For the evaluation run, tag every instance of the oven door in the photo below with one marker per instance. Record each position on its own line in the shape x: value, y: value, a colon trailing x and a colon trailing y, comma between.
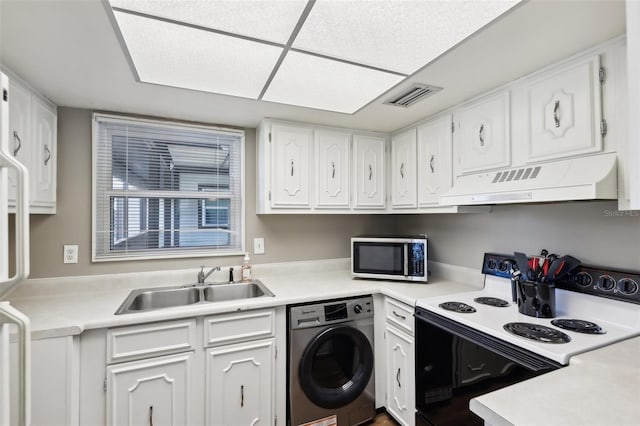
x: 455, y: 363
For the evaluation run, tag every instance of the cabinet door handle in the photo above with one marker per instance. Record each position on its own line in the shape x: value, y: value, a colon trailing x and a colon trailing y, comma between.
x: 48, y: 154
x: 478, y: 368
x: 333, y: 170
x: 431, y: 164
x: 242, y: 395
x: 151, y: 415
x: 370, y: 172
x: 398, y: 378
x: 292, y: 164
x: 18, y: 143
x: 398, y: 315
x: 556, y: 117
x: 402, y: 170
x: 481, y: 135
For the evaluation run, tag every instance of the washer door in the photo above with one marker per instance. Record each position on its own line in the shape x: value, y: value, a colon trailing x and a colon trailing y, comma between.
x: 336, y: 366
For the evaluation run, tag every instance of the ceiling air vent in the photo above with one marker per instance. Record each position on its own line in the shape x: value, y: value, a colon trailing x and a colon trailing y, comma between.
x: 415, y: 93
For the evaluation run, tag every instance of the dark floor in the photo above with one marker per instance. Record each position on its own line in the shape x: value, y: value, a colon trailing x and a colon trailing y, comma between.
x: 383, y: 419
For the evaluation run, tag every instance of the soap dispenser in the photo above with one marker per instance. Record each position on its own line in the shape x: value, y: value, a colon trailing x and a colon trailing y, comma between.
x: 246, y: 268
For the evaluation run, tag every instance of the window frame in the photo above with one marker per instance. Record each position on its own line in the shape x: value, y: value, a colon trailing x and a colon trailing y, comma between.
x: 175, y: 253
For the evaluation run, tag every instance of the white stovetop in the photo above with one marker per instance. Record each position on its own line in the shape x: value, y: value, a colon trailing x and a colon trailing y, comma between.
x: 620, y: 320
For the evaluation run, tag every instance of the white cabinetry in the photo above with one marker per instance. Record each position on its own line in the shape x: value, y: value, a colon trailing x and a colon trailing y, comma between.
x: 153, y: 391
x: 239, y: 384
x: 332, y: 165
x: 291, y: 162
x: 369, y: 171
x: 564, y: 111
x: 404, y: 192
x: 400, y: 377
x: 633, y: 71
x: 434, y: 160
x: 482, y: 136
x: 33, y: 132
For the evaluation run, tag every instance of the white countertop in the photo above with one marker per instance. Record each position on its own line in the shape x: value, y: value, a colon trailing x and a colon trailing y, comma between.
x: 598, y: 388
x: 68, y: 306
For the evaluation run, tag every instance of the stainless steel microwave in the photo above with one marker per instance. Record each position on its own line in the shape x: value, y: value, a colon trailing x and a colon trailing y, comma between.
x: 402, y: 257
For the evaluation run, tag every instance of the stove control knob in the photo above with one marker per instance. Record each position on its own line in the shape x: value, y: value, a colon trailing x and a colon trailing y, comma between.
x: 627, y: 286
x: 504, y: 266
x: 606, y: 283
x: 491, y: 264
x: 357, y: 309
x: 583, y: 279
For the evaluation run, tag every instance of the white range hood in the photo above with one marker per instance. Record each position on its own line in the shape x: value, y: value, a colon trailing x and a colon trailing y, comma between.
x: 582, y: 178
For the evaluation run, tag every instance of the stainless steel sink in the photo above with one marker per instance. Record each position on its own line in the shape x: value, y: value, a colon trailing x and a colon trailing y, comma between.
x: 148, y: 299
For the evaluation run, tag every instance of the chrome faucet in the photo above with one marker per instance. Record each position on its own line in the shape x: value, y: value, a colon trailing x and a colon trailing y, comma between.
x: 202, y: 276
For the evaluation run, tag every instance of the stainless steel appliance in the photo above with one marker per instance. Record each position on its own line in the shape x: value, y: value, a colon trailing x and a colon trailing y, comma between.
x: 468, y: 344
x: 330, y: 362
x: 401, y: 257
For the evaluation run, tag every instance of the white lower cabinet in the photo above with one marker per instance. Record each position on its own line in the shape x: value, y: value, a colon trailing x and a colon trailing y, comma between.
x: 153, y: 391
x: 400, y: 357
x: 239, y: 384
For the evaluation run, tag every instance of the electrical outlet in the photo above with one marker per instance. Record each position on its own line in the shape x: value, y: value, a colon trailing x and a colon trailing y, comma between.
x: 70, y: 254
x: 258, y: 246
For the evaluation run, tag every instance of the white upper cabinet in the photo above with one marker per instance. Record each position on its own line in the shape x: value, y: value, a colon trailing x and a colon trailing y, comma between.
x: 564, y: 111
x: 482, y: 135
x: 404, y: 192
x: 291, y: 166
x: 369, y: 171
x: 33, y: 129
x: 332, y: 166
x: 434, y: 160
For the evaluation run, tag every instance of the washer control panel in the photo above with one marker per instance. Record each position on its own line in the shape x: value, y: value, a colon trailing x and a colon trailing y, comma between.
x: 330, y: 312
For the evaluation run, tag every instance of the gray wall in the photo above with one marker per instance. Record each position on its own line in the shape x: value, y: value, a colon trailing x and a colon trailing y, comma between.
x: 594, y: 232
x: 287, y: 238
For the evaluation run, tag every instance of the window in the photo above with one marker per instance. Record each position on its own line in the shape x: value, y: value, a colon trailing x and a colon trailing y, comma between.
x: 166, y: 190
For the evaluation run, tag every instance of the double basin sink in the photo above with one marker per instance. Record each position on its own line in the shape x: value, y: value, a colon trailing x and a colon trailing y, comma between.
x: 148, y: 299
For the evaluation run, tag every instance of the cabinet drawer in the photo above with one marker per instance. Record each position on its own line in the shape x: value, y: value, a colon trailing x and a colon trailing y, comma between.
x: 147, y: 340
x: 237, y: 327
x: 400, y: 315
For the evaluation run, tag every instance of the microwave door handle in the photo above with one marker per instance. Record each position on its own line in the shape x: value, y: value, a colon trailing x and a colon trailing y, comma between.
x: 406, y: 260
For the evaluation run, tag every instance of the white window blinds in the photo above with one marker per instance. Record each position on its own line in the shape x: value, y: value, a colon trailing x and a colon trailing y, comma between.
x: 164, y: 190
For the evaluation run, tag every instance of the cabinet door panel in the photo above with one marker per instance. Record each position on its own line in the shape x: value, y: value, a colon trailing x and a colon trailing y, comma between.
x: 483, y: 136
x: 291, y: 166
x: 564, y: 112
x: 403, y: 170
x: 332, y: 169
x: 43, y: 180
x: 434, y: 160
x: 400, y: 376
x: 239, y: 384
x: 19, y: 131
x: 152, y: 391
x: 368, y: 153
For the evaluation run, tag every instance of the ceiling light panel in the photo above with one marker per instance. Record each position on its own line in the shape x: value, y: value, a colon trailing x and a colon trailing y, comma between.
x: 398, y: 35
x: 175, y: 55
x: 271, y: 20
x: 314, y: 82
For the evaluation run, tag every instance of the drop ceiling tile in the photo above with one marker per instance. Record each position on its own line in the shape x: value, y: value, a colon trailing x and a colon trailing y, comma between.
x: 314, y: 82
x: 395, y: 35
x: 272, y: 20
x: 175, y: 55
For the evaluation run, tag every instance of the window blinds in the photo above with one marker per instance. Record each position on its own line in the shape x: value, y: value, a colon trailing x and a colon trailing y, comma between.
x: 166, y: 190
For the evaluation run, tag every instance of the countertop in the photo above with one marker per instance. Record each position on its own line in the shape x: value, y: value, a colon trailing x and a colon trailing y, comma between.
x: 68, y: 306
x: 598, y: 388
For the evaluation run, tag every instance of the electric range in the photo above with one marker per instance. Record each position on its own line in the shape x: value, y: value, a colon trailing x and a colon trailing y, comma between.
x: 466, y: 343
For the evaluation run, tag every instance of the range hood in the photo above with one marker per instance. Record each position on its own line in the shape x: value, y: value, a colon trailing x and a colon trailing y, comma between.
x: 583, y: 178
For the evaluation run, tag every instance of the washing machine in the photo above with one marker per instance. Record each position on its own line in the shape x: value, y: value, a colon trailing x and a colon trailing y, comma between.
x: 330, y: 362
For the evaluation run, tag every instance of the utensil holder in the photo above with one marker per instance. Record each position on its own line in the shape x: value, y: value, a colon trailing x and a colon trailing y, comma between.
x: 537, y: 299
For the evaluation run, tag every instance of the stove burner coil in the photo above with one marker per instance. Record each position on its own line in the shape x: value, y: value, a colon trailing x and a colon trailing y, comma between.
x: 460, y: 307
x: 537, y: 332
x: 491, y: 301
x: 579, y: 326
